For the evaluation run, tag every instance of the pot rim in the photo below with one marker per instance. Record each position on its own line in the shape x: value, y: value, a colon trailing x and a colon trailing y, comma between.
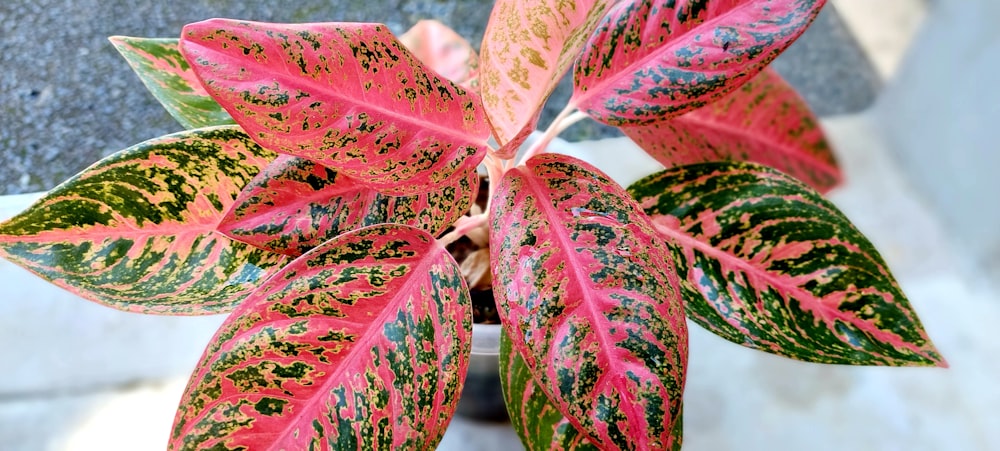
x: 486, y: 339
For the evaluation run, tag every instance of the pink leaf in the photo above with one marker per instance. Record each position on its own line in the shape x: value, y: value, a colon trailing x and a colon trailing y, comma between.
x: 588, y: 297
x: 362, y: 343
x: 347, y: 96
x: 764, y: 121
x: 651, y: 60
x: 444, y: 51
x: 527, y: 48
x: 295, y: 204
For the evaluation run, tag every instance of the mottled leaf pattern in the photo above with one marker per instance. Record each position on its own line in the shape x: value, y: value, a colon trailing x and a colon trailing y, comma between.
x: 764, y: 121
x: 537, y: 422
x: 587, y: 295
x: 362, y: 343
x: 650, y: 60
x: 136, y: 231
x: 772, y: 265
x: 347, y: 96
x: 166, y: 74
x: 295, y: 204
x: 527, y: 48
x: 444, y: 51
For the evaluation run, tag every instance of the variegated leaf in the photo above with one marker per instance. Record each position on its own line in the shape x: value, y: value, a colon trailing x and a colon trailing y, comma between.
x: 166, y: 74
x: 537, y: 422
x: 295, y: 204
x: 764, y: 121
x: 444, y: 51
x: 136, y: 231
x: 527, y: 48
x: 650, y: 60
x: 348, y: 96
x: 588, y: 297
x: 361, y: 343
x: 773, y: 266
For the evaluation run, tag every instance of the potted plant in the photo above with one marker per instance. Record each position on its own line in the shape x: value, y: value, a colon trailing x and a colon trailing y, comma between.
x: 326, y: 171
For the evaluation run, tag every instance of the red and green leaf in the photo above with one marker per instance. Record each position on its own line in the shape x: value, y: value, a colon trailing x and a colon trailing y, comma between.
x: 136, y: 231
x: 764, y: 121
x: 294, y: 205
x: 588, y: 297
x: 537, y: 422
x: 527, y: 48
x: 769, y: 264
x: 444, y: 51
x: 362, y: 343
x: 167, y: 75
x: 347, y: 96
x: 652, y: 60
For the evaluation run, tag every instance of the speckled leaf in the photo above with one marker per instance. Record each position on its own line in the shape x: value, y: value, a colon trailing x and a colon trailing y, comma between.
x: 588, y: 297
x: 537, y: 422
x: 527, y: 48
x: 444, y: 51
x: 166, y: 74
x: 136, y: 231
x: 348, y: 96
x: 295, y: 204
x: 361, y: 343
x: 764, y: 121
x: 772, y: 265
x: 650, y: 60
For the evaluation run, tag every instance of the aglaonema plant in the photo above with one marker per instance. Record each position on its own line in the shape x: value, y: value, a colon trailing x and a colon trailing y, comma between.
x: 326, y: 169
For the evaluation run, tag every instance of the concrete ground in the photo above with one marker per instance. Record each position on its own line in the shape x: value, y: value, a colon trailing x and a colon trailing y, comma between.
x: 735, y: 399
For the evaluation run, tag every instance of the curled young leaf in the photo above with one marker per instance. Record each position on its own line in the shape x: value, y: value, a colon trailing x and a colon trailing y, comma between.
x: 295, y: 204
x: 361, y: 343
x: 769, y: 264
x: 345, y: 95
x: 166, y: 74
x: 650, y: 60
x: 136, y: 231
x: 588, y: 297
x: 527, y: 48
x: 764, y: 121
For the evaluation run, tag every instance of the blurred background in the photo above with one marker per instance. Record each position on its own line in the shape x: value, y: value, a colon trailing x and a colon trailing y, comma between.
x: 908, y: 93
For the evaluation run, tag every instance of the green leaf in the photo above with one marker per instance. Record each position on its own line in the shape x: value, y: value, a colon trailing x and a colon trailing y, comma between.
x: 295, y: 204
x: 769, y: 264
x: 136, y: 231
x: 362, y: 343
x: 166, y: 74
x: 587, y: 296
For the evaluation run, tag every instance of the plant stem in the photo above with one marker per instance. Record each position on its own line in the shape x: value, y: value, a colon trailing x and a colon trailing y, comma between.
x: 568, y: 116
x: 463, y: 226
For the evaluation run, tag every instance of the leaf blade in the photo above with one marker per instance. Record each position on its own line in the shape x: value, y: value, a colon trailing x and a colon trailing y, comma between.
x: 584, y: 297
x: 397, y: 127
x: 776, y: 267
x: 650, y: 60
x: 764, y: 121
x: 294, y: 205
x: 164, y: 71
x: 444, y: 51
x: 136, y: 231
x: 527, y: 48
x: 362, y: 343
